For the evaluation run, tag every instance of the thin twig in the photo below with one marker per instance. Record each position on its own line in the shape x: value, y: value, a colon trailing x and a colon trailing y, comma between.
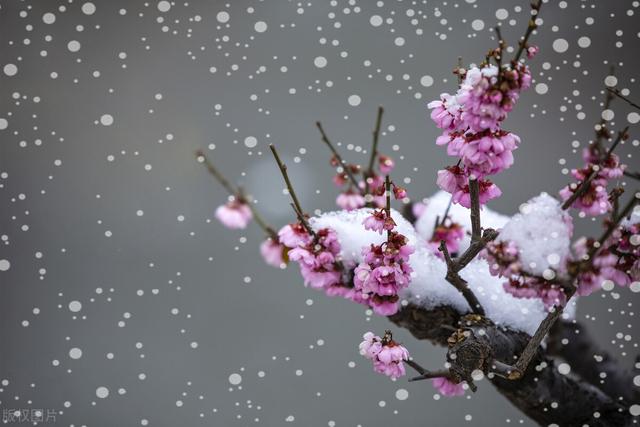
x: 585, y: 184
x: 345, y: 167
x: 296, y: 203
x: 237, y: 193
x: 633, y: 175
x: 617, y: 93
x: 374, y: 145
x: 474, y: 194
x: 217, y: 175
x: 535, y: 9
x: 303, y: 220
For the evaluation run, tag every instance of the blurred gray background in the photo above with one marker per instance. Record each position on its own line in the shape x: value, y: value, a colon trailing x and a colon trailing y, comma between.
x: 116, y: 276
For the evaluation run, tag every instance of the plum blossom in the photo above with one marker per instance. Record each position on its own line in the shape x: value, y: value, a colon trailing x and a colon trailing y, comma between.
x: 318, y: 260
x: 379, y: 221
x: 504, y: 261
x: 294, y: 235
x: 471, y: 120
x: 235, y: 214
x: 449, y: 231
x: 350, y: 200
x: 273, y: 252
x: 600, y: 168
x: 383, y: 273
x: 385, y: 164
x: 386, y: 354
x: 447, y: 387
x: 487, y: 191
x: 532, y: 51
x: 594, y: 201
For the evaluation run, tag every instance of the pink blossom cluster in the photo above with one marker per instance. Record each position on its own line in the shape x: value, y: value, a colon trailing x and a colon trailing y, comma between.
x: 235, y: 214
x: 446, y: 387
x: 353, y: 198
x: 386, y: 354
x: 471, y: 120
x: 595, y: 200
x: 451, y: 233
x: 385, y: 269
x: 318, y: 258
x: 504, y: 261
x: 618, y: 261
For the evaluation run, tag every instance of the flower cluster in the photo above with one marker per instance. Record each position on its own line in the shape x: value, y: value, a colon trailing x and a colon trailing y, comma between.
x: 386, y: 354
x: 594, y: 200
x: 618, y: 261
x: 385, y: 269
x: 504, y: 261
x: 471, y: 120
x: 353, y: 198
x: 447, y: 387
x: 234, y: 214
x: 318, y: 258
x: 273, y: 252
x: 448, y: 231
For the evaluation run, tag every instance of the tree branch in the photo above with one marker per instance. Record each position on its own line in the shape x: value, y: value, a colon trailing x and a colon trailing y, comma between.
x: 333, y: 149
x: 617, y: 93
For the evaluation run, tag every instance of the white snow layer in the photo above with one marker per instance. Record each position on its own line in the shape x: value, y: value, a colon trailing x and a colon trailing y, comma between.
x: 437, y: 204
x: 428, y: 287
x: 542, y: 231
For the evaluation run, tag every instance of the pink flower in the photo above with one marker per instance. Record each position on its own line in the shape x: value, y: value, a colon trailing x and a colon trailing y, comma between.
x: 378, y: 221
x: 451, y: 179
x: 488, y: 191
x: 385, y: 164
x: 234, y: 214
x: 418, y: 209
x: 317, y: 260
x: 371, y: 345
x: 451, y: 232
x: 350, y: 200
x: 488, y: 153
x: 532, y: 51
x: 386, y: 354
x: 272, y: 252
x: 294, y: 235
x: 594, y: 201
x: 446, y: 387
x: 399, y: 193
x: 445, y: 112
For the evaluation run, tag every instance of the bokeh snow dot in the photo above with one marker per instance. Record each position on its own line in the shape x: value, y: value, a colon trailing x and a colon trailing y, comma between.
x: 4, y: 264
x: 375, y: 20
x: 49, y: 18
x: 222, y: 17
x: 75, y: 306
x: 402, y: 394
x: 164, y: 6
x: 235, y: 379
x: 88, y: 8
x: 10, y: 69
x: 75, y: 353
x: 106, y: 120
x: 584, y: 42
x: 542, y: 88
x: 260, y: 26
x: 73, y: 46
x: 560, y: 45
x: 102, y: 392
x: 320, y: 61
x: 426, y: 81
x: 354, y: 100
x: 477, y: 24
x: 250, y: 141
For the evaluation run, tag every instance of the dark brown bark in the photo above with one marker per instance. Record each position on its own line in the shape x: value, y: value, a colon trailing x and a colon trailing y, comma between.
x: 570, y: 341
x: 543, y: 394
